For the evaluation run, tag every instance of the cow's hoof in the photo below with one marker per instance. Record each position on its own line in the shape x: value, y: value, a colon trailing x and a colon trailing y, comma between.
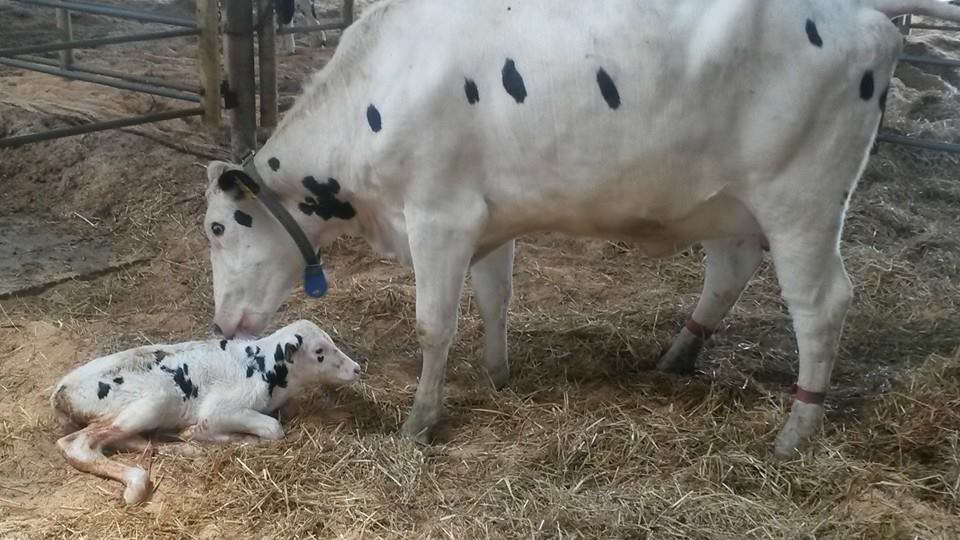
x: 681, y: 359
x: 795, y: 436
x: 499, y: 376
x: 419, y: 427
x: 137, y: 481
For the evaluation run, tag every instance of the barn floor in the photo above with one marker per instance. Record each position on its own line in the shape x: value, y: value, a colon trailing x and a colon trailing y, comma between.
x: 588, y: 442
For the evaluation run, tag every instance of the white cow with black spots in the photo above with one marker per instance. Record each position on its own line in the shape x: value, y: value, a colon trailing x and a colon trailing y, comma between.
x: 739, y: 124
x: 212, y: 390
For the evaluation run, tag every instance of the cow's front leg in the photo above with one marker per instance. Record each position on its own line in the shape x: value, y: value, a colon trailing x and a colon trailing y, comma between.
x: 492, y: 279
x: 730, y: 265
x: 441, y: 254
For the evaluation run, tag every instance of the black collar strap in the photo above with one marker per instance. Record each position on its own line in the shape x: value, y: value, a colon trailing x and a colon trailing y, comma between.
x: 314, y: 280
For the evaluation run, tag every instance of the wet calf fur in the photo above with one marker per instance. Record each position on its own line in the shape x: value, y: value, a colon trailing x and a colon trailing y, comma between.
x: 214, y: 390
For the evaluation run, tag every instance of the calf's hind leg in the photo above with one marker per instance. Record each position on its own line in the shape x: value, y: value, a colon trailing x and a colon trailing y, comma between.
x: 84, y: 450
x: 730, y: 265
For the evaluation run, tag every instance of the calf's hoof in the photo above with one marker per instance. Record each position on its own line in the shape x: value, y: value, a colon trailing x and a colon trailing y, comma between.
x: 795, y: 436
x: 681, y: 359
x: 137, y: 483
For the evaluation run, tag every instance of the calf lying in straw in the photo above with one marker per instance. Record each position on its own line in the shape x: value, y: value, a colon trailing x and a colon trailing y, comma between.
x: 205, y: 390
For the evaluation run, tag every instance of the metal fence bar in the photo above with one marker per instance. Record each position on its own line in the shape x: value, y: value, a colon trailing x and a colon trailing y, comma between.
x: 113, y: 11
x: 153, y: 81
x: 919, y: 143
x: 934, y: 27
x: 324, y: 26
x: 65, y: 25
x: 929, y: 60
x: 18, y: 140
x: 97, y: 79
x: 89, y: 43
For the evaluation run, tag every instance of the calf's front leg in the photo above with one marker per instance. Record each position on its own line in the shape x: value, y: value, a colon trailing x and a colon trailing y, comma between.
x: 236, y: 425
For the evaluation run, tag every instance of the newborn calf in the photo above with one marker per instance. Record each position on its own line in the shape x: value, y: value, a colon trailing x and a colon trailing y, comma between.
x: 205, y: 390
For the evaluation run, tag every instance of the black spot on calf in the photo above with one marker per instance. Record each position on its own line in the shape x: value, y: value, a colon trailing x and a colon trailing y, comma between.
x: 276, y: 377
x: 229, y: 182
x: 278, y: 355
x: 473, y: 94
x: 223, y: 344
x: 866, y: 86
x: 324, y: 202
x: 813, y: 35
x: 274, y: 164
x: 243, y: 218
x: 373, y: 118
x: 608, y: 89
x: 158, y: 356
x: 513, y: 81
x: 118, y: 380
x: 102, y: 390
x: 180, y: 377
x: 299, y: 339
x: 257, y: 358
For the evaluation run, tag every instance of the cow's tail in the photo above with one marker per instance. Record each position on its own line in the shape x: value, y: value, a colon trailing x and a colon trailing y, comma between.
x: 930, y: 8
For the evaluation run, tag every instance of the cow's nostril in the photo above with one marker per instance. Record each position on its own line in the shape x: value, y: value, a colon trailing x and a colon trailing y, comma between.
x: 356, y: 370
x: 217, y: 330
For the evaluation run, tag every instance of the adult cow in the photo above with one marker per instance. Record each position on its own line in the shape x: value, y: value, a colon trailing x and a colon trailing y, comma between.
x: 732, y: 123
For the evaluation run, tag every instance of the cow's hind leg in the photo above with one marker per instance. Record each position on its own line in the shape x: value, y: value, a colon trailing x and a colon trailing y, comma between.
x: 441, y: 248
x: 818, y: 293
x: 730, y: 265
x: 492, y: 279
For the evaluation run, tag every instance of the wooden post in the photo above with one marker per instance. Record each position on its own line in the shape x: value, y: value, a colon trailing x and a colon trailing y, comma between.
x: 208, y: 60
x: 267, y: 42
x: 238, y: 48
x: 65, y: 26
x: 347, y: 13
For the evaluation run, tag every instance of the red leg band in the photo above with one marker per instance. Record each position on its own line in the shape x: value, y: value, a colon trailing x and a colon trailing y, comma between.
x: 698, y: 329
x: 806, y: 396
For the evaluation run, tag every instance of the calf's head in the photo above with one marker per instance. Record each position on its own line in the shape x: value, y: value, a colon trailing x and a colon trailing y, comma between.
x: 312, y: 355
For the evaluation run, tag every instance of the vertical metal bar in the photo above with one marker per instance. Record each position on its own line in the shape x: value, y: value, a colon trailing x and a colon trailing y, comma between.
x: 208, y: 61
x: 267, y: 38
x: 65, y: 25
x: 347, y: 13
x: 904, y: 22
x: 241, y: 82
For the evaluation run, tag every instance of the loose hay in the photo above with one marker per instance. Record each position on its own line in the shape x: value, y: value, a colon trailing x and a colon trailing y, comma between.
x: 588, y: 442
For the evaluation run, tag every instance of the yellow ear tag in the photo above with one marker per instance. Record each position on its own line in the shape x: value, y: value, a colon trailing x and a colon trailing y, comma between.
x: 247, y: 194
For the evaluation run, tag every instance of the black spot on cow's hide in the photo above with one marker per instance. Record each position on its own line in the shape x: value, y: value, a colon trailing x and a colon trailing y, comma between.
x: 223, y: 344
x: 608, y: 89
x: 278, y: 355
x: 513, y: 81
x: 181, y: 378
x: 373, y: 118
x: 102, y: 390
x: 276, y: 377
x: 158, y: 356
x: 324, y: 202
x: 243, y: 218
x: 473, y: 93
x: 813, y: 34
x: 118, y: 380
x: 274, y: 164
x: 866, y: 86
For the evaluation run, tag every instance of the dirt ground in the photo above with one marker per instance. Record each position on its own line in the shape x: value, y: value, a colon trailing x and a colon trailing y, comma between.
x: 588, y: 442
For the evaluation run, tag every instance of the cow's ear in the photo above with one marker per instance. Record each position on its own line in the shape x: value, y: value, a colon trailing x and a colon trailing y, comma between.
x: 215, y: 169
x: 237, y: 183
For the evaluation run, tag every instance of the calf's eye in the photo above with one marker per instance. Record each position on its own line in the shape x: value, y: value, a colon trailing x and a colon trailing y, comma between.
x: 216, y: 229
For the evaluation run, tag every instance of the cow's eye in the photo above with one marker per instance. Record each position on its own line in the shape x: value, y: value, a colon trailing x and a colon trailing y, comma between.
x: 216, y: 229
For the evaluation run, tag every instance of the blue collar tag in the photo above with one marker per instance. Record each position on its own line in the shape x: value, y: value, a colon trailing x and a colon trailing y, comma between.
x: 314, y: 281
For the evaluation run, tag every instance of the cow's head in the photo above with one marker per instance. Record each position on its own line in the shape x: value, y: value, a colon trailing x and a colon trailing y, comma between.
x: 255, y: 264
